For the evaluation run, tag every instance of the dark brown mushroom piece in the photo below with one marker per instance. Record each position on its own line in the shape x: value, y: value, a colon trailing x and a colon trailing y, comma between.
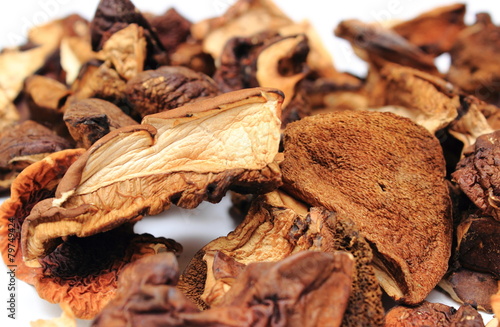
x: 182, y: 156
x: 470, y: 287
x: 81, y: 272
x: 434, y: 31
x: 276, y: 227
x: 23, y: 144
x: 261, y: 295
x: 111, y: 16
x: 88, y: 120
x: 168, y: 87
x: 478, y: 174
x: 191, y: 55
x: 378, y: 45
x: 474, y: 60
x: 387, y: 174
x: 433, y: 314
x: 172, y: 29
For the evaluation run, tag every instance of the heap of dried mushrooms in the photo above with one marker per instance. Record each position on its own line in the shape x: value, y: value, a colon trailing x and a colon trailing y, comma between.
x: 357, y: 195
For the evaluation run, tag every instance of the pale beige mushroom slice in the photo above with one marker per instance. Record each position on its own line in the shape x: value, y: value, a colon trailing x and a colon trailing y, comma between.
x: 244, y: 18
x: 183, y: 156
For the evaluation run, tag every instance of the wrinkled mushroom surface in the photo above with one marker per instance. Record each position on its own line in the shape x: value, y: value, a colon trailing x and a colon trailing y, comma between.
x: 183, y: 156
x: 387, y: 174
x: 306, y: 289
x: 478, y: 174
x: 88, y: 120
x: 168, y: 87
x: 276, y: 227
x: 433, y: 314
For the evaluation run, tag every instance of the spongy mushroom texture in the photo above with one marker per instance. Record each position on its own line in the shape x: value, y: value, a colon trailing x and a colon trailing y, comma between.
x: 387, y: 174
x: 183, y: 156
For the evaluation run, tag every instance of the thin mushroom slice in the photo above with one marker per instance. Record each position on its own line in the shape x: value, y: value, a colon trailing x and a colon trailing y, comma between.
x: 183, y: 156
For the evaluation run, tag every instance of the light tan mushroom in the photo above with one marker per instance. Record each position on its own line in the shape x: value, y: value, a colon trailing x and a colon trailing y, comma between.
x: 183, y: 156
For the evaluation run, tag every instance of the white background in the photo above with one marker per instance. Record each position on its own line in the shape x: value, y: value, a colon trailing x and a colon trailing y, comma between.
x: 194, y: 228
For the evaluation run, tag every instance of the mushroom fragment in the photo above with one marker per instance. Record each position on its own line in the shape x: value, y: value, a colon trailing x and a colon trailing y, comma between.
x: 478, y: 174
x: 433, y: 314
x: 474, y: 60
x: 387, y: 174
x: 183, y: 156
x: 24, y: 144
x: 168, y: 87
x: 306, y: 289
x: 276, y: 227
x: 434, y: 31
x: 88, y: 120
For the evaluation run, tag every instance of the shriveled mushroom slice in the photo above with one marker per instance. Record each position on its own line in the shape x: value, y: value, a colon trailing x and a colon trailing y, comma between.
x: 387, y: 174
x: 172, y: 29
x: 376, y: 44
x: 276, y: 227
x: 168, y: 87
x: 479, y: 244
x: 35, y: 183
x: 433, y: 314
x: 88, y: 120
x: 435, y: 31
x: 427, y: 100
x: 74, y: 53
x: 111, y: 16
x: 474, y: 60
x: 306, y: 289
x: 183, y: 156
x: 23, y: 144
x: 478, y: 174
x: 126, y: 51
x: 244, y: 18
x: 472, y: 287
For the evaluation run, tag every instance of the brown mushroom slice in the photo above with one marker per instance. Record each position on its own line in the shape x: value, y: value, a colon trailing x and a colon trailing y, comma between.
x: 427, y: 100
x: 276, y: 227
x: 74, y: 52
x: 168, y: 87
x: 434, y: 31
x: 111, y: 16
x: 243, y: 19
x: 478, y: 246
x: 261, y: 296
x: 376, y: 44
x: 433, y: 314
x: 478, y: 174
x: 88, y: 120
x: 37, y: 182
x: 83, y: 272
x: 387, y: 174
x: 183, y: 156
x: 472, y: 287
x: 172, y: 29
x: 24, y: 144
x: 9, y: 114
x: 474, y: 61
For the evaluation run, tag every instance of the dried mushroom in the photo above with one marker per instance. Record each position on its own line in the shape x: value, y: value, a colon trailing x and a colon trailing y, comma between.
x: 112, y: 16
x: 474, y: 60
x: 81, y: 273
x: 24, y: 144
x: 168, y: 87
x: 183, y: 156
x: 275, y: 228
x: 433, y: 314
x: 378, y: 45
x: 172, y: 29
x: 471, y: 287
x: 427, y: 100
x: 478, y: 174
x: 260, y: 296
x: 9, y: 114
x: 88, y: 120
x: 434, y: 31
x: 244, y: 18
x: 387, y: 174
